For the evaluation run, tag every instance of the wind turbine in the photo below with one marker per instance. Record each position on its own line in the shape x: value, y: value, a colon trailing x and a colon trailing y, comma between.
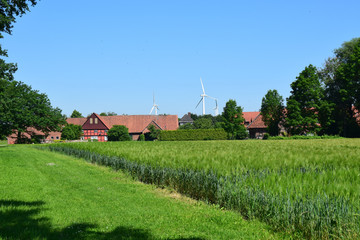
x: 155, y: 106
x: 203, y: 96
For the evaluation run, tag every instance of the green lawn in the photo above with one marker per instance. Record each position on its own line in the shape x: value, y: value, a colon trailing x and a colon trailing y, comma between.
x: 45, y: 195
x: 3, y: 142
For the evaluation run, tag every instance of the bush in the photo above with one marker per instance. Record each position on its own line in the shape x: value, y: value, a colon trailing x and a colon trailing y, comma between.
x: 193, y: 134
x: 118, y: 133
x: 266, y: 136
x: 142, y: 137
x: 71, y: 132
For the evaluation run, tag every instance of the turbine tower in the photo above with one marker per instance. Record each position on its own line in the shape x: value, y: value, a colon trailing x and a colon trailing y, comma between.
x: 203, y: 96
x: 155, y: 106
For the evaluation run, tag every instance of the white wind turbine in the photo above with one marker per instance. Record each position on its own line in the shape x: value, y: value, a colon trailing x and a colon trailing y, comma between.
x: 203, y: 96
x: 155, y: 106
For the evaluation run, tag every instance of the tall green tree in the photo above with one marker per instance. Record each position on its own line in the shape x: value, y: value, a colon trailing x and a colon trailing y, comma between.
x: 341, y: 77
x: 76, y: 114
x: 233, y: 121
x: 304, y: 103
x: 22, y: 107
x: 272, y: 111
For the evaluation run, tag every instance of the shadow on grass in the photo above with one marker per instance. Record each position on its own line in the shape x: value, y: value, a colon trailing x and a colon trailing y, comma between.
x: 18, y: 220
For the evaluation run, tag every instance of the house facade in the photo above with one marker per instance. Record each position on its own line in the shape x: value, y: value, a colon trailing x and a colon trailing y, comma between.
x: 254, y: 124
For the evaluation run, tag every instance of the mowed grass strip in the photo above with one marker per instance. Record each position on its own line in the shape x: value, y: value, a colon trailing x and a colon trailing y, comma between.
x: 45, y: 195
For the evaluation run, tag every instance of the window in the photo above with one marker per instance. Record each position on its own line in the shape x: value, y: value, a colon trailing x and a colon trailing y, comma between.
x: 91, y: 121
x: 52, y: 137
x: 96, y: 121
x: 95, y: 131
x: 57, y: 137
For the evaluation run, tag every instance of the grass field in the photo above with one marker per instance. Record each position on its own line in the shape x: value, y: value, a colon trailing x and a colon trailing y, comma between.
x: 307, y: 186
x: 45, y: 195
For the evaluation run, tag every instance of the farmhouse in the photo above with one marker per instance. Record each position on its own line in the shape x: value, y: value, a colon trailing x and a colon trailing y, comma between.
x: 96, y: 127
x: 186, y: 119
x: 254, y: 124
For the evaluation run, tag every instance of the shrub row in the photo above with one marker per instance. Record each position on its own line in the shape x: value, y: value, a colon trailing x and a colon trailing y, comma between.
x: 319, y: 217
x: 193, y: 134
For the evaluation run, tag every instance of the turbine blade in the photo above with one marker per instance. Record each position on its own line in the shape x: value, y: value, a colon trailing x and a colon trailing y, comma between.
x: 202, y: 85
x: 199, y: 102
x: 151, y: 110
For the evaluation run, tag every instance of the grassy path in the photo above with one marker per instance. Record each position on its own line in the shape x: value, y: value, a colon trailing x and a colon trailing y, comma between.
x: 44, y: 195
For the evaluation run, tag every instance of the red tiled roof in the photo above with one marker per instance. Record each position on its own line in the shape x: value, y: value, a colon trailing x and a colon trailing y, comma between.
x: 257, y: 123
x: 250, y: 116
x: 137, y: 123
x: 76, y: 121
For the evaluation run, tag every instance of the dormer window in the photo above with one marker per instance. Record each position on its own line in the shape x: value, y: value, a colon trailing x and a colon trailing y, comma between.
x: 91, y: 121
x: 96, y: 121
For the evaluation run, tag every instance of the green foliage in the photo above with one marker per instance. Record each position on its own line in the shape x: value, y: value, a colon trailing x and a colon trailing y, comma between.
x: 272, y: 111
x: 193, y: 135
x: 71, y: 132
x: 9, y: 10
x: 233, y: 121
x: 153, y: 134
x: 301, y: 186
x: 118, y: 133
x: 304, y: 102
x: 76, y: 114
x: 108, y: 114
x: 142, y: 137
x: 186, y: 126
x: 341, y: 77
x: 203, y: 123
x: 266, y: 136
x: 22, y: 107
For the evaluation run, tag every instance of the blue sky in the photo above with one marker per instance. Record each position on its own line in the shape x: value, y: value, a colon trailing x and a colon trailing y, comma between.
x: 111, y: 55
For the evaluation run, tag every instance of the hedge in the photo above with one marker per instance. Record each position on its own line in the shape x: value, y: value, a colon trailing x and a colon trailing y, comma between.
x: 193, y: 134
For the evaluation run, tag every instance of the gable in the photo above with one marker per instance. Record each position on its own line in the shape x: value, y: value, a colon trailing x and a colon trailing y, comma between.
x: 94, y: 122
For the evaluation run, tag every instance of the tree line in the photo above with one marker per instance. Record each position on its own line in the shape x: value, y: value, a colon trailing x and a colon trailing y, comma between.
x: 323, y: 101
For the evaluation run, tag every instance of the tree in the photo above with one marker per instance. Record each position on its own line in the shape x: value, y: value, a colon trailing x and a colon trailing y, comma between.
x: 233, y: 121
x: 341, y: 77
x: 9, y: 10
x: 304, y: 103
x: 203, y: 123
x: 272, y: 111
x: 108, y: 114
x: 22, y: 107
x: 153, y: 134
x: 71, y: 132
x: 76, y: 114
x: 118, y: 133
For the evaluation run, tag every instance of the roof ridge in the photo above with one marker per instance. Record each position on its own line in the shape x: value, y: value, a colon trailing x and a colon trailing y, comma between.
x: 254, y: 120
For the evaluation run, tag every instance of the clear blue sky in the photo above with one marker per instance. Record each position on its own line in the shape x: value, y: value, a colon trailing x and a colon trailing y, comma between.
x: 111, y: 55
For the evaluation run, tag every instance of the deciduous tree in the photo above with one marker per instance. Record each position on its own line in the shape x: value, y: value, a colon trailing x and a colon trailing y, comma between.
x: 76, y: 114
x: 272, y: 111
x: 71, y: 132
x: 233, y: 121
x: 304, y: 103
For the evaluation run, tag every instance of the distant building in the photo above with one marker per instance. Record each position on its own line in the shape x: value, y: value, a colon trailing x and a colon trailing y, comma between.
x: 186, y: 119
x: 95, y: 127
x: 254, y: 124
